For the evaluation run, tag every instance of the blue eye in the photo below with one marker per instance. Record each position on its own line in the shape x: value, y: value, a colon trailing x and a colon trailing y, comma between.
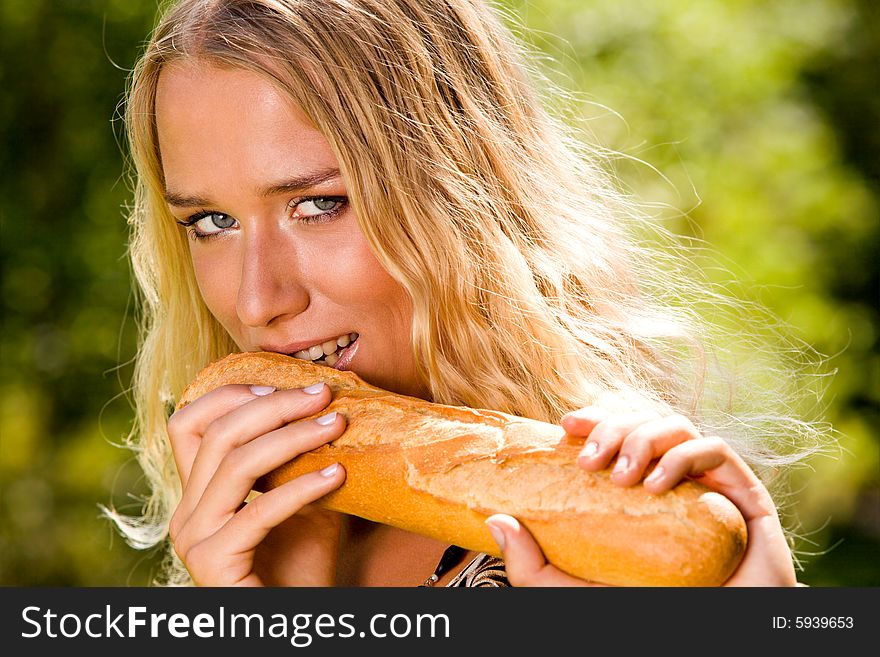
x: 319, y: 208
x: 208, y: 224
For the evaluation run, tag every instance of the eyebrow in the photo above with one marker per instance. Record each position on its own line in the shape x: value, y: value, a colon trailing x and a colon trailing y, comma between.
x: 293, y: 185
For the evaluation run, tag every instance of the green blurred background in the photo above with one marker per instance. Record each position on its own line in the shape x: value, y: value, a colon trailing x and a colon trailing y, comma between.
x: 762, y: 116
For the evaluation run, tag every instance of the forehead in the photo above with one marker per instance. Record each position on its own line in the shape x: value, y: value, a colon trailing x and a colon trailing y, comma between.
x: 216, y: 122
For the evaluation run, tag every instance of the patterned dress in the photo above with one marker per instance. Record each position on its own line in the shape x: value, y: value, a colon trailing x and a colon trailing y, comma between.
x: 483, y: 570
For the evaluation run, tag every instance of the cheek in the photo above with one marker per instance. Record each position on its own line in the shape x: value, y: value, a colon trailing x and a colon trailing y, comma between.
x: 218, y: 284
x: 359, y: 280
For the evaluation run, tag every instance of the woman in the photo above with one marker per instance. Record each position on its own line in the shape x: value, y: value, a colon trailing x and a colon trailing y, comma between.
x: 376, y: 180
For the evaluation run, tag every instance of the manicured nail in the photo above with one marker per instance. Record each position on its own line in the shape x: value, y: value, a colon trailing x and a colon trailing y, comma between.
x: 324, y: 420
x: 590, y: 449
x: 497, y: 534
x: 329, y: 471
x: 621, y: 465
x: 587, y: 413
x: 262, y: 391
x: 314, y: 389
x: 656, y: 475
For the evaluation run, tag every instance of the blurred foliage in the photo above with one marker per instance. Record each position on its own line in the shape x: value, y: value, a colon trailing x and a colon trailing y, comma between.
x: 67, y: 335
x: 751, y: 124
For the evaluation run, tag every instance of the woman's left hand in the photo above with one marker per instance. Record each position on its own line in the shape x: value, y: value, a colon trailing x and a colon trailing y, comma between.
x: 637, y: 440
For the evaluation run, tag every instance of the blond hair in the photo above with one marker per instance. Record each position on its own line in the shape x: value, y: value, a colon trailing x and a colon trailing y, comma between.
x: 532, y: 293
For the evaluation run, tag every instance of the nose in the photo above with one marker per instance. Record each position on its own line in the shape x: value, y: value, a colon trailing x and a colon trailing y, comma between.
x: 270, y: 286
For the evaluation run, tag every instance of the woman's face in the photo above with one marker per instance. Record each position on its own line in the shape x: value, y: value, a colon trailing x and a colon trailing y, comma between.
x: 278, y: 254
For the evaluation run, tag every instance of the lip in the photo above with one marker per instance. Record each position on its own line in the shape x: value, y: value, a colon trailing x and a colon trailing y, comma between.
x: 346, y: 355
x: 293, y: 347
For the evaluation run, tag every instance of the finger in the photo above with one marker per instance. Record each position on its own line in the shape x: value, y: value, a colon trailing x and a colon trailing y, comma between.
x: 523, y: 560
x: 187, y: 425
x: 250, y: 526
x: 607, y: 436
x: 719, y: 467
x: 234, y: 478
x: 582, y: 421
x: 261, y: 414
x: 227, y: 556
x: 227, y: 432
x: 647, y: 442
x: 716, y: 465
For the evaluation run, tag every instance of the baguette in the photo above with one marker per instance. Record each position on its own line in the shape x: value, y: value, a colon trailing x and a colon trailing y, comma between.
x: 441, y: 470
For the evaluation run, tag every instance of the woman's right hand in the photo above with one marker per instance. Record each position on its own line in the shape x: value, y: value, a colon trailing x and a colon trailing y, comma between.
x: 222, y: 443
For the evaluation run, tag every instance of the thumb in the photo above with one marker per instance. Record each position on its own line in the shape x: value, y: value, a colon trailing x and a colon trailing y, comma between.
x: 523, y: 560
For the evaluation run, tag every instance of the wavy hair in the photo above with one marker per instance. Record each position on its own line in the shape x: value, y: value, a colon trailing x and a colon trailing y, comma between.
x: 534, y: 289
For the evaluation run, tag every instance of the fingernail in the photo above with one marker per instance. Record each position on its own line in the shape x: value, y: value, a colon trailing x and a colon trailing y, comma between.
x: 262, y: 391
x: 329, y: 471
x: 497, y: 534
x: 314, y: 389
x: 621, y: 465
x: 324, y: 420
x: 586, y: 413
x: 656, y: 474
x: 590, y: 449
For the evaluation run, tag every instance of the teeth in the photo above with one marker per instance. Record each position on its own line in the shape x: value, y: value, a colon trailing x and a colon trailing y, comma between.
x: 327, y: 350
